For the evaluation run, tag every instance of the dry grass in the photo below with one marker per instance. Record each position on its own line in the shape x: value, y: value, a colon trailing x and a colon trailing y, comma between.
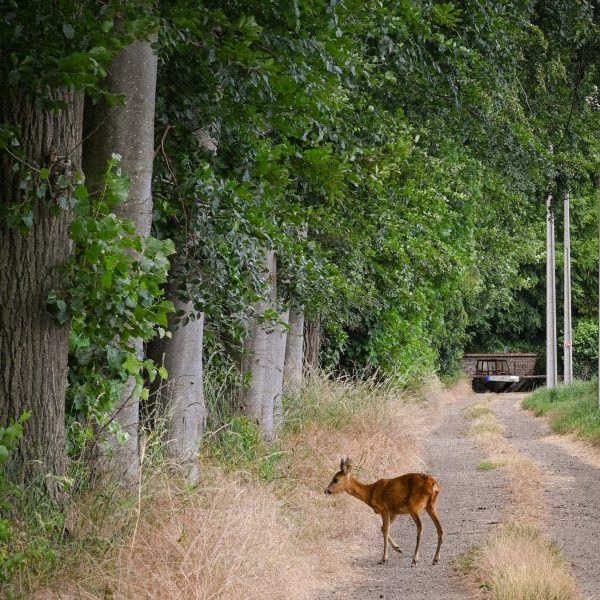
x: 478, y: 409
x: 236, y: 536
x: 516, y: 563
x: 484, y: 422
x: 229, y: 539
x: 382, y: 436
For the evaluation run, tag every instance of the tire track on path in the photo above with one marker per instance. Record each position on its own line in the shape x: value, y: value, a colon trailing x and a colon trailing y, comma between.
x: 571, y: 489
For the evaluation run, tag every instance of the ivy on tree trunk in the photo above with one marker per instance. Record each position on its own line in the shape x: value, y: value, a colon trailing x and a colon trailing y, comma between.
x: 126, y: 129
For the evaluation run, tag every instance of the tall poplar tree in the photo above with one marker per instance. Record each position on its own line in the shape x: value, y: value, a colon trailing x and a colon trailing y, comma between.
x: 126, y: 129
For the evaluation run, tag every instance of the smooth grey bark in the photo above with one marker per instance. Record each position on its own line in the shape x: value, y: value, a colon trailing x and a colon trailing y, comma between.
x: 127, y: 129
x: 180, y: 397
x: 312, y: 344
x: 263, y: 358
x: 294, y: 349
x: 33, y: 348
x: 279, y: 344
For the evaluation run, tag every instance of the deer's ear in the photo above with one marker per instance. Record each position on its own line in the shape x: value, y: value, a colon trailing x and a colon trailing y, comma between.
x: 346, y: 465
x: 342, y: 463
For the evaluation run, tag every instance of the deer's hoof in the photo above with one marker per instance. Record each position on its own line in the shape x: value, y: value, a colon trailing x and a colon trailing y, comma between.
x: 383, y: 561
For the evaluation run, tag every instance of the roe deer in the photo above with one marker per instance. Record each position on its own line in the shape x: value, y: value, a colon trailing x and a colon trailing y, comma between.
x: 407, y: 494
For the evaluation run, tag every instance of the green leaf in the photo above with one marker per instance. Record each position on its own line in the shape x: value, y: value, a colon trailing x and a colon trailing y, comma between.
x: 132, y: 364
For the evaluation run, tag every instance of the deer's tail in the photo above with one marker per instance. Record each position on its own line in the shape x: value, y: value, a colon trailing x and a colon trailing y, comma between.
x: 435, y: 491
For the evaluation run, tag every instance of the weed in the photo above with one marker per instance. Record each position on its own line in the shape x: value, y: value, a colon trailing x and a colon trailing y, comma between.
x: 478, y: 409
x: 485, y: 424
x: 487, y: 465
x: 467, y: 562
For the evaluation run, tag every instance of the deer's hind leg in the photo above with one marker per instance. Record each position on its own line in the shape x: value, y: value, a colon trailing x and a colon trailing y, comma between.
x: 417, y: 519
x: 432, y: 512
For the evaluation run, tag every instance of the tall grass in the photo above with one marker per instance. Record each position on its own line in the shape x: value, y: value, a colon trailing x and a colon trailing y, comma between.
x: 246, y: 530
x: 570, y: 408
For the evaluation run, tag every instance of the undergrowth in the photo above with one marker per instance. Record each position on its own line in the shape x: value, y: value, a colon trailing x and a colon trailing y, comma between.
x: 256, y: 526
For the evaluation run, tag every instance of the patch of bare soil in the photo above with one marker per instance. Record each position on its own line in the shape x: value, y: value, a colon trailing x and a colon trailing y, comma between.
x: 469, y: 505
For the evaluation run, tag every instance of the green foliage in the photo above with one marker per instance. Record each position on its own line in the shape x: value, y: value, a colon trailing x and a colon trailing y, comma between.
x: 239, y: 446
x: 585, y: 348
x: 408, y: 194
x: 332, y: 402
x: 10, y: 559
x: 65, y: 43
x: 112, y: 296
x: 487, y: 465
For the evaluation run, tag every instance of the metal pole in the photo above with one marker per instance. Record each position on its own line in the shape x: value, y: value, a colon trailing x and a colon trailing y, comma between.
x: 568, y: 344
x: 599, y: 296
x: 550, y: 297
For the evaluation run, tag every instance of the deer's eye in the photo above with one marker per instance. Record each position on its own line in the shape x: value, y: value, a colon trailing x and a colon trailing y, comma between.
x: 335, y: 480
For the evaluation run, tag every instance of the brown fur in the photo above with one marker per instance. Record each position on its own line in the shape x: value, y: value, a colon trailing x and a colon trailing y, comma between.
x: 407, y: 494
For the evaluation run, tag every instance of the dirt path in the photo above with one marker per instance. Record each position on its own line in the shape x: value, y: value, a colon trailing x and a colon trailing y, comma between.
x: 471, y: 504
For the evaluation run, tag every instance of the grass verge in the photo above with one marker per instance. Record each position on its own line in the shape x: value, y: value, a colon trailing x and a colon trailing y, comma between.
x: 570, y: 408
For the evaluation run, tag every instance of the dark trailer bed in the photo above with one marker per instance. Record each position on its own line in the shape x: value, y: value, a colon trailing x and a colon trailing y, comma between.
x: 502, y: 372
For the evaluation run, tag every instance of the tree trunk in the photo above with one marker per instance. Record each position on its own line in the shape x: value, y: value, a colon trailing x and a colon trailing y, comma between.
x: 294, y: 350
x: 263, y: 359
x: 33, y: 348
x: 128, y: 130
x: 181, y: 396
x: 279, y: 344
x: 312, y: 344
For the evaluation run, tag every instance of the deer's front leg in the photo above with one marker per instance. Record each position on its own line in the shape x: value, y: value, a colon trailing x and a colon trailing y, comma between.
x: 385, y: 529
x: 393, y: 543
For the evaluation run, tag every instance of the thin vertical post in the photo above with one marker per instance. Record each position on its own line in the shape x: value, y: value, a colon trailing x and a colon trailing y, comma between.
x: 568, y: 333
x: 599, y: 294
x: 551, y: 367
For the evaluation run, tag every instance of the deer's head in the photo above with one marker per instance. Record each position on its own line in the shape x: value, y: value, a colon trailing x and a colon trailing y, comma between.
x: 340, y: 480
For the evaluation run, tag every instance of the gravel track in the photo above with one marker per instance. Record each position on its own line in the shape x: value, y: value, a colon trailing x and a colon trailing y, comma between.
x: 471, y: 504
